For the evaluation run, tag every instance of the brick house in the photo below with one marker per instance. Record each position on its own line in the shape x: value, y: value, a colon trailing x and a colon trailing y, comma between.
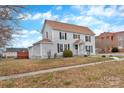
x: 107, y: 40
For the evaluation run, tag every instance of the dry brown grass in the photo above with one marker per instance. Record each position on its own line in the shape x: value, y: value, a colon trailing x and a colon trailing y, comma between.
x: 14, y: 66
x: 102, y: 75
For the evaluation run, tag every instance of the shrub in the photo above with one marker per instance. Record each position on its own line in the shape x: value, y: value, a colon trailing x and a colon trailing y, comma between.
x: 49, y: 54
x: 110, y: 55
x: 103, y: 56
x: 115, y: 49
x: 67, y: 53
x: 55, y: 55
x: 85, y: 55
x: 67, y: 82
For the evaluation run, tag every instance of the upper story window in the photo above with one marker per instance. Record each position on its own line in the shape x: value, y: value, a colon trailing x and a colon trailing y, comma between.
x: 63, y: 35
x: 88, y: 38
x: 76, y: 36
x: 46, y: 34
x: 102, y: 37
x: 111, y: 37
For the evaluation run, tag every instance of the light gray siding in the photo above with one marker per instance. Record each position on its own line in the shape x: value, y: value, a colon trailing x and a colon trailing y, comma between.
x: 41, y: 50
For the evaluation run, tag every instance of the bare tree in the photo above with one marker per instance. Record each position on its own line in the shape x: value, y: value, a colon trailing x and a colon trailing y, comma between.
x: 9, y: 22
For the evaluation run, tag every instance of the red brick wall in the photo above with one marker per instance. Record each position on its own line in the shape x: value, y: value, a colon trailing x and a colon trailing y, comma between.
x: 105, y: 41
x: 113, y: 43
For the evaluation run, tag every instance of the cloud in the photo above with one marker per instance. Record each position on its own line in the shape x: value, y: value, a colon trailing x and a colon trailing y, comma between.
x: 23, y: 43
x: 121, y: 8
x: 25, y: 16
x: 27, y: 38
x: 26, y: 42
x: 121, y: 11
x: 98, y: 18
x: 102, y: 11
x: 34, y: 32
x: 37, y: 16
x: 59, y: 8
x: 25, y: 33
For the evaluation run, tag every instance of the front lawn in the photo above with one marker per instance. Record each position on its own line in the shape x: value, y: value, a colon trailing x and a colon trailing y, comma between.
x: 14, y: 66
x: 102, y: 75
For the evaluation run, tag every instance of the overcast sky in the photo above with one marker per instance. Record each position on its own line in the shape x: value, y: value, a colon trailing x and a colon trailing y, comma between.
x: 97, y: 18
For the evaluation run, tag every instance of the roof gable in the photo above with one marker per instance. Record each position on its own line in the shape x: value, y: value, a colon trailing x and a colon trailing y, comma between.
x: 45, y: 40
x: 68, y: 27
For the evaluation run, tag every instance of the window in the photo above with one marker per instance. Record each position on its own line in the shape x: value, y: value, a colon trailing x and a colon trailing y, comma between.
x: 73, y: 36
x: 65, y: 46
x: 63, y: 35
x: 46, y: 34
x: 111, y: 37
x: 88, y: 38
x: 102, y: 37
x: 76, y: 36
x: 61, y: 47
x: 89, y: 48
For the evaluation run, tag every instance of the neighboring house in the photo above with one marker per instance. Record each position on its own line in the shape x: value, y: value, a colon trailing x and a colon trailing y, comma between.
x: 120, y: 40
x: 12, y: 52
x: 107, y: 40
x: 58, y: 36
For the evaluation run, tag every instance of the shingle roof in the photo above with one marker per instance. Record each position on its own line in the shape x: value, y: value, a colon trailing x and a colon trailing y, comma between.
x: 43, y: 41
x: 69, y: 27
x: 120, y: 32
x: 15, y: 49
x: 78, y: 42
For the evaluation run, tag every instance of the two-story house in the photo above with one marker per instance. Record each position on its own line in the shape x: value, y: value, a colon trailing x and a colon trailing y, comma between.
x: 58, y: 36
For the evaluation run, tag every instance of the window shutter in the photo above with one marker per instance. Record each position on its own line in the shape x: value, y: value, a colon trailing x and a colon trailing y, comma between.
x: 58, y: 47
x: 85, y: 38
x: 65, y: 36
x: 68, y: 46
x: 60, y: 35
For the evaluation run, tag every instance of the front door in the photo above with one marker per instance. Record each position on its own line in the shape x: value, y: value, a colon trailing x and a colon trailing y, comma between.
x: 76, y: 49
